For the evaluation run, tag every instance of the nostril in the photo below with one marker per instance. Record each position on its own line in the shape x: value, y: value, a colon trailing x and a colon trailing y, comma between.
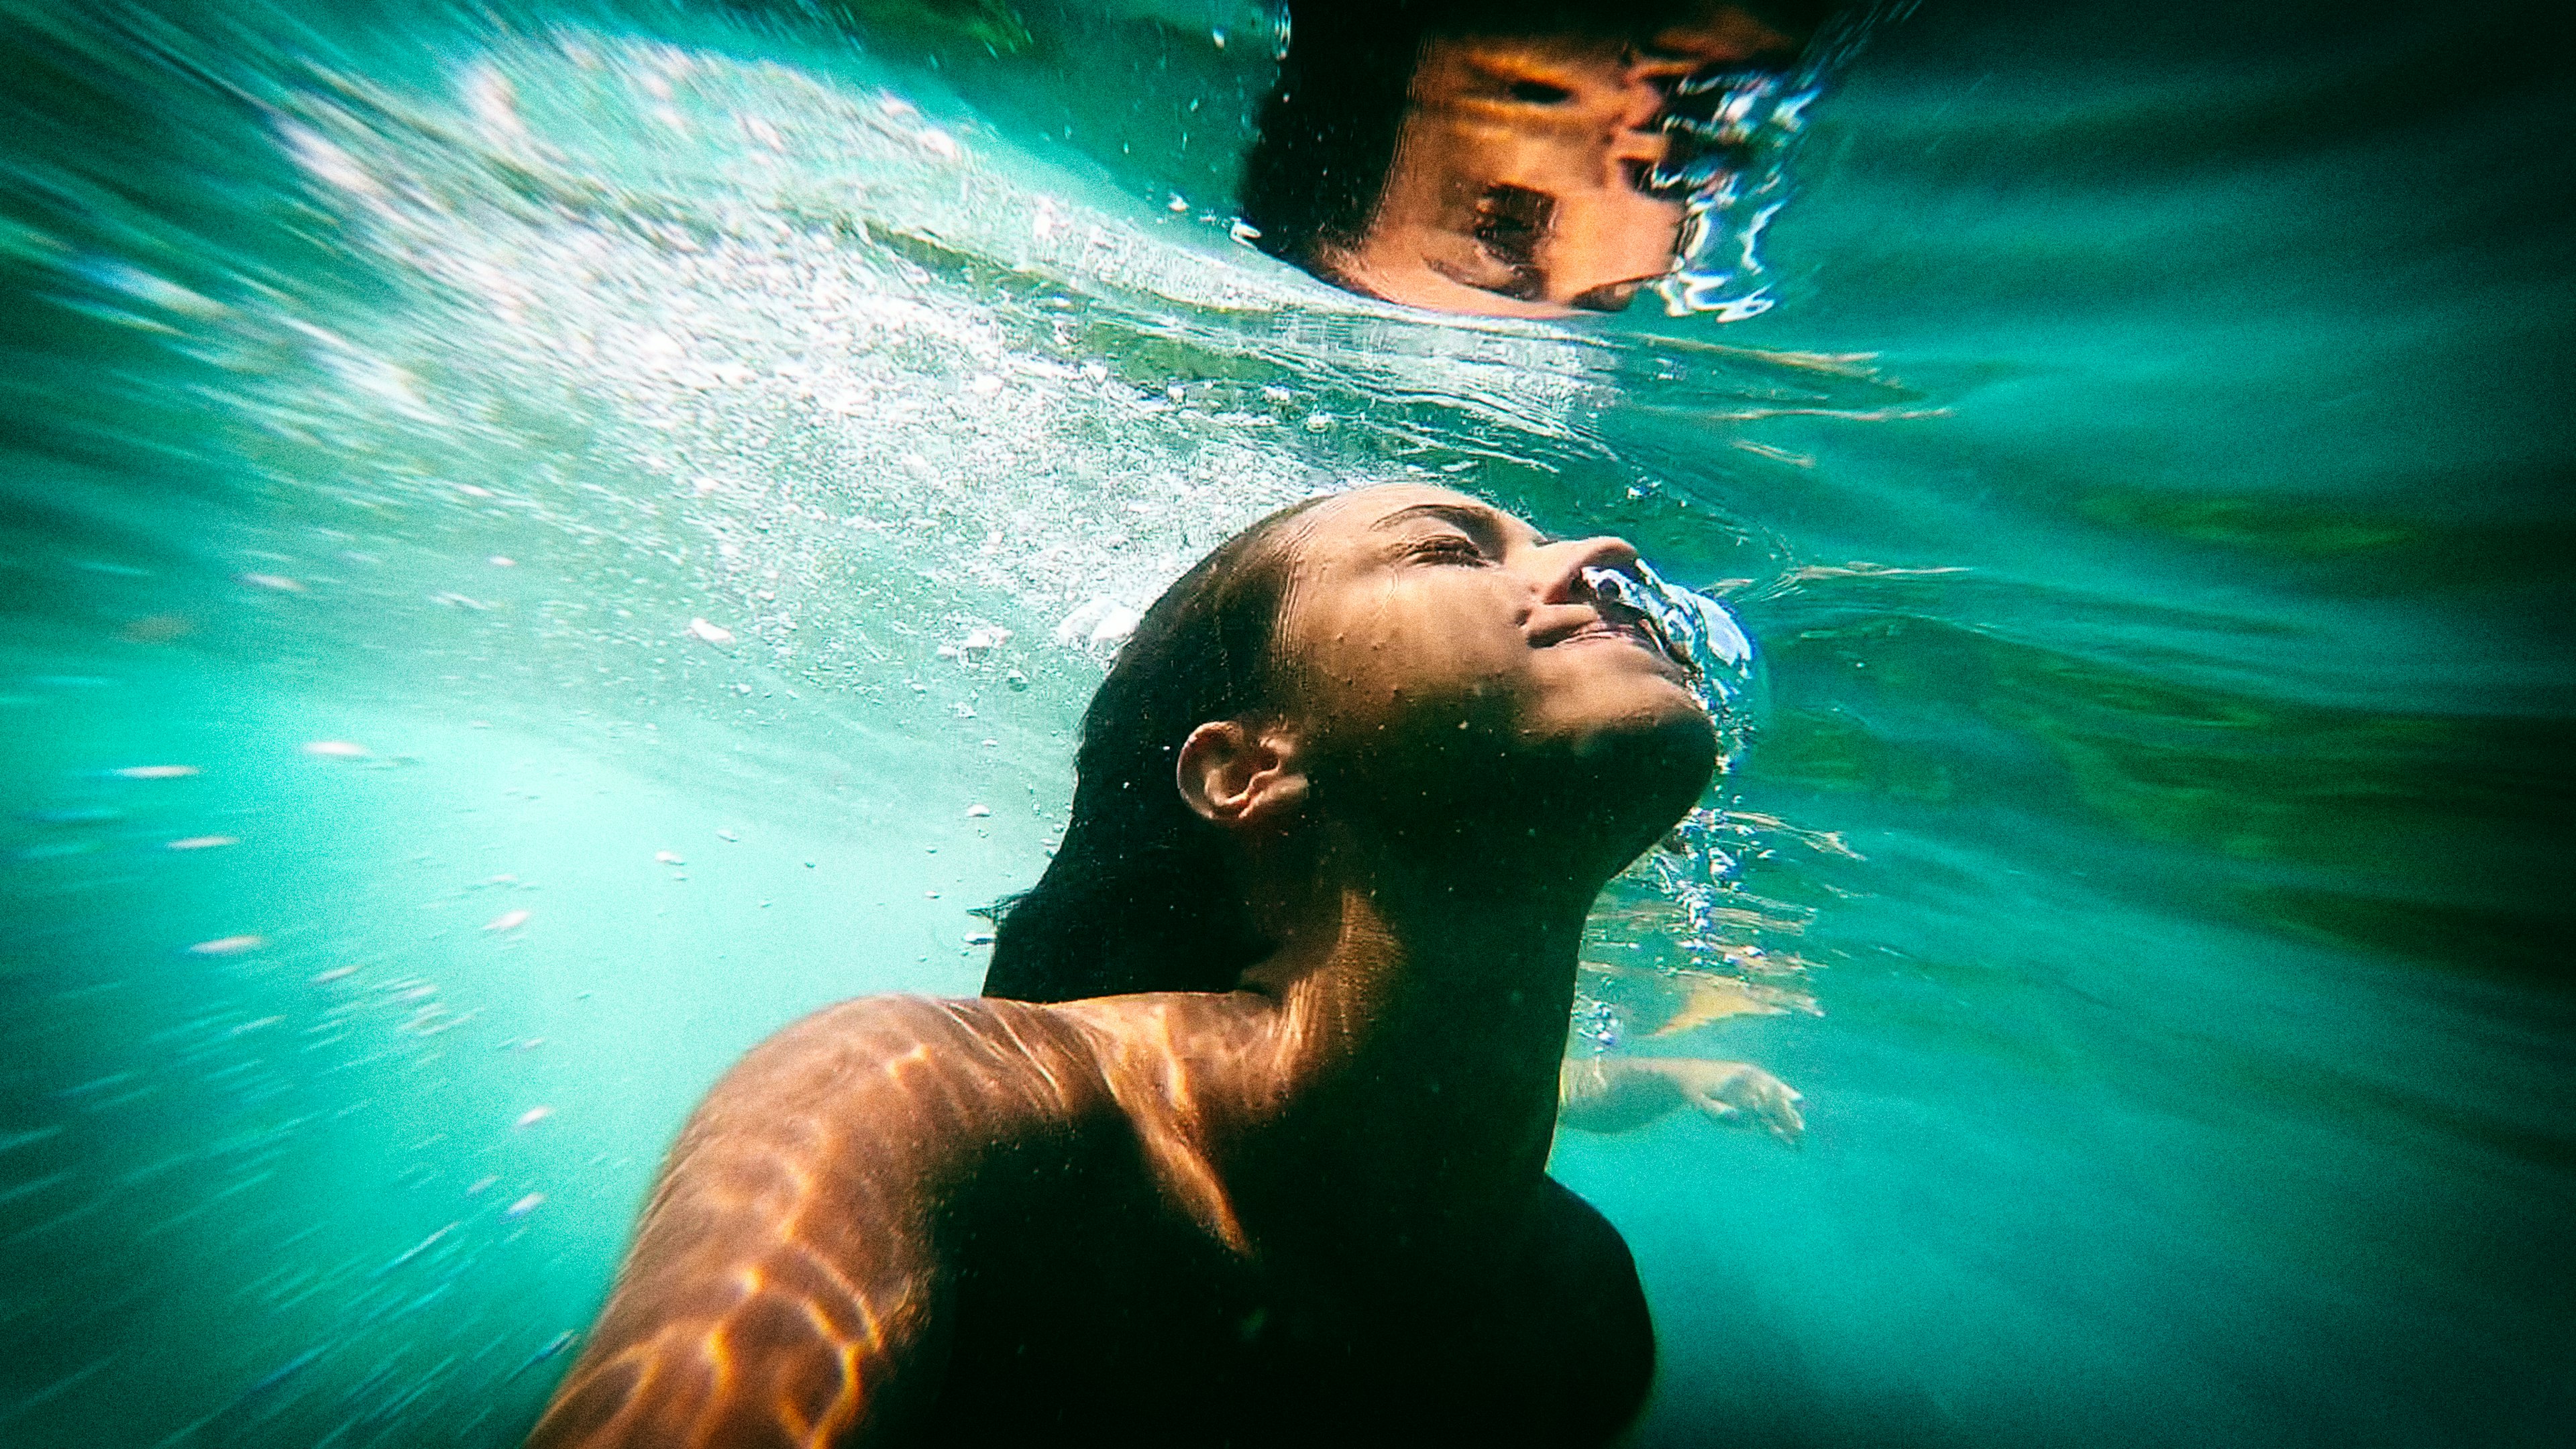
x: 1609, y: 586
x: 1576, y: 559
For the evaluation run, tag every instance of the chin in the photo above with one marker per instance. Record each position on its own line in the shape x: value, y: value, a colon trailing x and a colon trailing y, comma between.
x: 1640, y: 712
x: 1640, y: 768
x: 1605, y: 768
x: 1673, y: 741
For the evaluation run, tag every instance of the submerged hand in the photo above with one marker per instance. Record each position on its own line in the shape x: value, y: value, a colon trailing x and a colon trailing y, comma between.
x: 1621, y: 1094
x: 1738, y: 1094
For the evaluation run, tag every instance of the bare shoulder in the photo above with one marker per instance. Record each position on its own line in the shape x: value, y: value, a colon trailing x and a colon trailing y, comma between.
x: 1192, y: 1025
x: 1196, y: 1052
x: 923, y: 1095
x: 1178, y: 1068
x: 955, y: 1070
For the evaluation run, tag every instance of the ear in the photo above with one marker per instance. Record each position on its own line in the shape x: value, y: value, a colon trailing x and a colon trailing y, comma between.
x: 1237, y: 777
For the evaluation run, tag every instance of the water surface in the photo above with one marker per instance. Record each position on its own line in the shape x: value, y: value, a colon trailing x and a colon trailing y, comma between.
x: 544, y: 542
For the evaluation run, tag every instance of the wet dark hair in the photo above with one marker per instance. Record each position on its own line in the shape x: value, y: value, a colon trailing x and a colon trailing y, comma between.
x: 1328, y: 129
x: 1141, y: 895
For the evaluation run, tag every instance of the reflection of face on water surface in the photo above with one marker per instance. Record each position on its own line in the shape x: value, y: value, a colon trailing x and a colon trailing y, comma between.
x: 1516, y: 180
x: 1528, y: 165
x: 1522, y: 179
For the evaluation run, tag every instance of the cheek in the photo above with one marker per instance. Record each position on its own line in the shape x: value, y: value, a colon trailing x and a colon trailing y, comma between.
x: 1434, y: 652
x: 1395, y: 651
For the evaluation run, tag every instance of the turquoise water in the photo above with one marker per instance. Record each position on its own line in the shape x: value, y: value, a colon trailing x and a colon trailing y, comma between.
x: 618, y: 432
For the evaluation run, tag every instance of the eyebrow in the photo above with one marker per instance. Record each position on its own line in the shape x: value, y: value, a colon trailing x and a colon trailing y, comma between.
x: 1485, y: 523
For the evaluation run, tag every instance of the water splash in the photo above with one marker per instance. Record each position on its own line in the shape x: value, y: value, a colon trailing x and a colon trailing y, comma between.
x: 1732, y: 132
x: 1697, y: 631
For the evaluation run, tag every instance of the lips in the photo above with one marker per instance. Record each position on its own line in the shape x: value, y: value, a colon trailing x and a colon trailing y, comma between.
x: 1608, y: 630
x: 1638, y: 633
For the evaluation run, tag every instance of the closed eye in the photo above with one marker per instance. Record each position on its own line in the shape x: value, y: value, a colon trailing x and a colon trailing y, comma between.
x: 1447, y: 548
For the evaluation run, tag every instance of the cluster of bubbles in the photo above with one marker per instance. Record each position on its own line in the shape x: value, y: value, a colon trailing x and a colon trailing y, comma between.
x: 1697, y: 630
x: 1698, y: 868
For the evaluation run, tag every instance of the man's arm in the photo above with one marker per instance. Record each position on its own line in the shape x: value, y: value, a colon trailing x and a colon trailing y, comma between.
x: 786, y: 1285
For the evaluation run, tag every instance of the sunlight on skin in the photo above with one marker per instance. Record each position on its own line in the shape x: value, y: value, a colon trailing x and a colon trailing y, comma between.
x: 1156, y: 1083
x: 765, y: 1293
x: 1710, y: 998
x: 788, y: 1266
x: 732, y: 1324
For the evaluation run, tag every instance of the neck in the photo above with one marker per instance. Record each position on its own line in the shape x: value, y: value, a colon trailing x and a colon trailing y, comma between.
x: 1420, y: 1016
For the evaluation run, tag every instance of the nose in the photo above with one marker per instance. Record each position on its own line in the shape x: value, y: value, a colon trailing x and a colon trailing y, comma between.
x: 1562, y: 566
